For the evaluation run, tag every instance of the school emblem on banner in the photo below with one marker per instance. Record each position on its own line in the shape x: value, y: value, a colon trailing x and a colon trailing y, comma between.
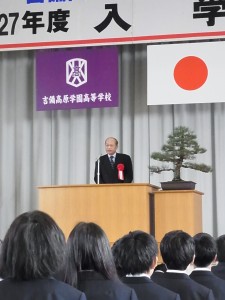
x: 76, y: 72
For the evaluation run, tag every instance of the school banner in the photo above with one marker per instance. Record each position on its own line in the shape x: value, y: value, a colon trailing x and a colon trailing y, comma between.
x: 32, y: 24
x: 77, y: 78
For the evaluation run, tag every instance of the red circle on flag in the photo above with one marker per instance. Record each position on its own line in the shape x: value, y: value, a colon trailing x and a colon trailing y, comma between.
x: 190, y: 73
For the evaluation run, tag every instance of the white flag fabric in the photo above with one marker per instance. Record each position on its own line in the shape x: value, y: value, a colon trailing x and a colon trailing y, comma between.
x: 186, y: 73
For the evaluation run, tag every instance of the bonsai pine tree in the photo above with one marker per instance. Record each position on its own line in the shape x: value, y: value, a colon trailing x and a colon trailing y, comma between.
x: 180, y: 150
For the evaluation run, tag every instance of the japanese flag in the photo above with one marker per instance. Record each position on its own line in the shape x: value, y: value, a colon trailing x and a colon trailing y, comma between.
x: 186, y: 73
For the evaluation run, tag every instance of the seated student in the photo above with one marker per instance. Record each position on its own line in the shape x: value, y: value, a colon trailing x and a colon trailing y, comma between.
x: 160, y: 268
x: 119, y: 268
x: 177, y: 250
x: 158, y: 271
x: 219, y: 269
x: 90, y: 266
x: 32, y: 252
x: 205, y: 255
x: 135, y: 256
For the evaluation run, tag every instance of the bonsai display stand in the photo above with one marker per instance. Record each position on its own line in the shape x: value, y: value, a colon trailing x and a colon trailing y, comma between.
x: 178, y: 185
x: 174, y: 210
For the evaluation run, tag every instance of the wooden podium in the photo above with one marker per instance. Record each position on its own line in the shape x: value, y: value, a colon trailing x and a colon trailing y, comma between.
x: 117, y: 208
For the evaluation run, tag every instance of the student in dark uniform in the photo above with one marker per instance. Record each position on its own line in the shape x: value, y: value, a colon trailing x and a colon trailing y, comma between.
x: 205, y: 255
x: 135, y: 256
x: 90, y: 266
x: 219, y: 269
x: 31, y: 254
x: 158, y: 271
x: 177, y: 250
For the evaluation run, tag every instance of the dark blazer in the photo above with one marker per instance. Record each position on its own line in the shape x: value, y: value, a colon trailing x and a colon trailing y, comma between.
x: 187, y: 288
x: 146, y: 289
x: 156, y: 274
x: 96, y: 287
x: 211, y: 281
x: 219, y: 270
x: 38, y: 289
x: 110, y: 175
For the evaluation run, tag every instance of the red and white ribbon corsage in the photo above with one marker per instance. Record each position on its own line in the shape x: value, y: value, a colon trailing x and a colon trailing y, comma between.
x: 120, y: 168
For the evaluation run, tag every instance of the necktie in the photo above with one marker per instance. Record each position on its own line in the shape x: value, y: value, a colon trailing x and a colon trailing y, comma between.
x: 112, y: 161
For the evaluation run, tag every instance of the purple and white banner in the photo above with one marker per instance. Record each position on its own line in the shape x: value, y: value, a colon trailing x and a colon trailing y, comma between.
x: 77, y: 78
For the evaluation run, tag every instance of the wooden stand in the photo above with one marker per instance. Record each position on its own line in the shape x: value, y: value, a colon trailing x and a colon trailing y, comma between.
x: 174, y: 210
x: 117, y: 208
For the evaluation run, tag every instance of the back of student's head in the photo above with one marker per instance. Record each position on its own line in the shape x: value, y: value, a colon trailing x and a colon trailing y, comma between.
x: 220, y: 242
x: 33, y: 247
x: 88, y: 248
x: 135, y: 253
x: 177, y: 249
x: 205, y: 249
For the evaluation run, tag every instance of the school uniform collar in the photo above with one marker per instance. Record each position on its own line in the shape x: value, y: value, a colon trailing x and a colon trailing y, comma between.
x: 138, y: 275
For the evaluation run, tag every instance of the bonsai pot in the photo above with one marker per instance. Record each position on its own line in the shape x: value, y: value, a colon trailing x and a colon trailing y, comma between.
x: 178, y: 185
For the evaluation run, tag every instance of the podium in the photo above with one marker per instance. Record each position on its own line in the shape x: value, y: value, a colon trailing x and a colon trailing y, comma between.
x: 117, y: 208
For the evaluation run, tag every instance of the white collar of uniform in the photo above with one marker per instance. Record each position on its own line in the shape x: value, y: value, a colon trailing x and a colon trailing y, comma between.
x: 138, y: 275
x: 176, y: 271
x: 201, y: 269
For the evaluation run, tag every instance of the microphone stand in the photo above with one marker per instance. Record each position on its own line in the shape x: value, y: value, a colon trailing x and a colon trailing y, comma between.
x: 98, y: 170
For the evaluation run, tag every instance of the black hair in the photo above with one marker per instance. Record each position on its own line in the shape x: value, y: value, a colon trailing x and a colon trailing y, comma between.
x: 205, y: 249
x: 177, y: 249
x: 134, y: 253
x: 33, y: 247
x: 88, y: 248
x: 220, y: 242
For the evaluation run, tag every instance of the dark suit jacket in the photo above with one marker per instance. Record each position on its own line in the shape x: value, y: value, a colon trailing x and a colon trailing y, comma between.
x: 211, y: 281
x: 110, y: 175
x: 146, y: 289
x: 187, y: 288
x: 219, y: 270
x: 38, y: 289
x: 96, y: 287
x: 156, y: 274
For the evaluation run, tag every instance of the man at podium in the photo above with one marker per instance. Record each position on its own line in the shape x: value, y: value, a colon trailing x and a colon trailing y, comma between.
x: 113, y: 167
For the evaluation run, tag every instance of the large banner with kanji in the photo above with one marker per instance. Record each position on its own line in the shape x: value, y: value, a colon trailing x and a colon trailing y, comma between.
x: 29, y: 24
